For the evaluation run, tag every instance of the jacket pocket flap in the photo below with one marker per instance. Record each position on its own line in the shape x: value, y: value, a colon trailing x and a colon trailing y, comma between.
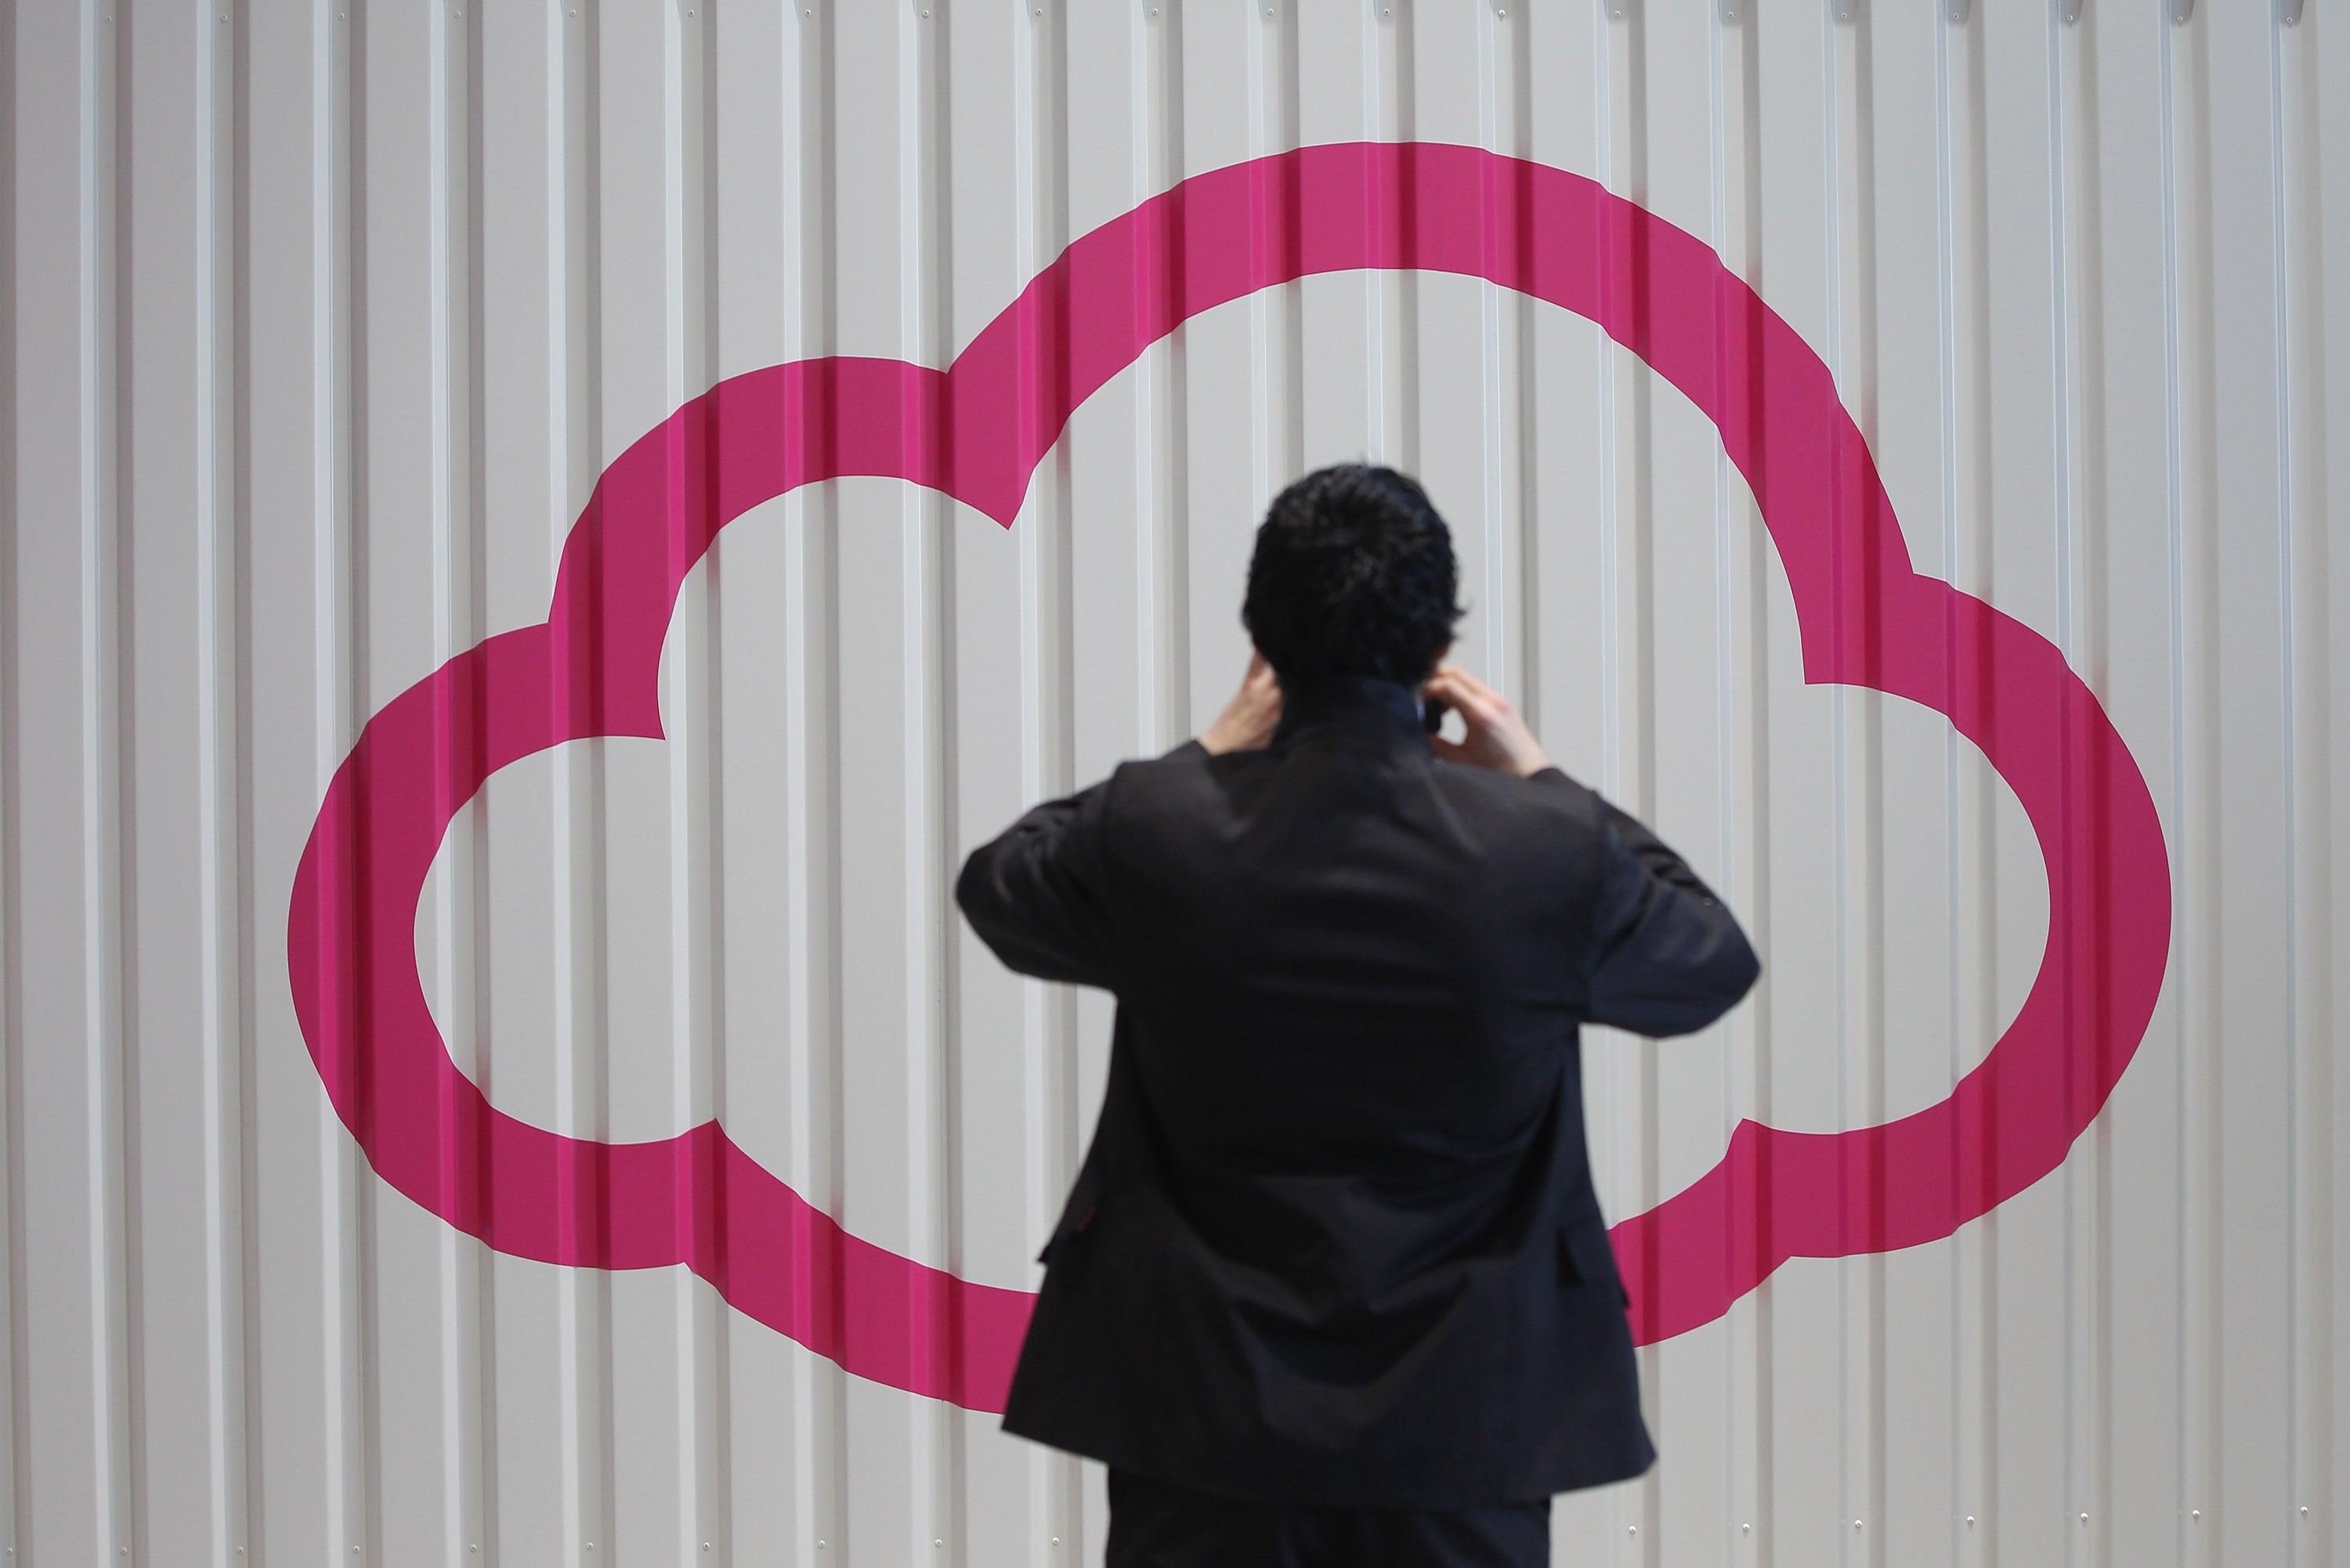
x: 1076, y: 1215
x: 1585, y: 1256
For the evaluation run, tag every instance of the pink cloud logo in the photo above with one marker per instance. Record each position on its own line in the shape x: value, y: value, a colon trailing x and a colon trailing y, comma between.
x: 976, y: 431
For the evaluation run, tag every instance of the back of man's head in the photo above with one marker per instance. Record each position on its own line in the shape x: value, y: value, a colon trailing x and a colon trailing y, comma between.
x: 1353, y: 574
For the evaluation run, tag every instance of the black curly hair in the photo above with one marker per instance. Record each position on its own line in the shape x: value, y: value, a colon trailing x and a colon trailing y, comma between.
x: 1353, y: 574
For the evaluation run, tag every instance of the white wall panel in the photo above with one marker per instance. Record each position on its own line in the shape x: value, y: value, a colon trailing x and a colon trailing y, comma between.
x: 322, y: 322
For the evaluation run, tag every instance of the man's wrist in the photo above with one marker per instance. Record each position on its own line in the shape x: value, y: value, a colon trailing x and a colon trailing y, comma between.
x: 1528, y: 759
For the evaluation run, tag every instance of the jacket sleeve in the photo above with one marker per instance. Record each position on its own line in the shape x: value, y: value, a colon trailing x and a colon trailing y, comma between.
x: 1666, y: 958
x: 1038, y: 895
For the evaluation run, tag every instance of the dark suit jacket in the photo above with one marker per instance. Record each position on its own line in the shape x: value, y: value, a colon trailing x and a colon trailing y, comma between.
x: 1335, y: 1241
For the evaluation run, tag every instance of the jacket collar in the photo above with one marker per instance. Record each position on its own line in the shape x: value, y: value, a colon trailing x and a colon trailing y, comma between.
x: 1362, y: 704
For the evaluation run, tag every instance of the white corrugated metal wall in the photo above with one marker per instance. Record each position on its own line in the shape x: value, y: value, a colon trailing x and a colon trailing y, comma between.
x: 323, y: 319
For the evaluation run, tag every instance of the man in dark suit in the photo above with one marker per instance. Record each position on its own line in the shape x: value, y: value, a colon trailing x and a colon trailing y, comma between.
x: 1331, y: 1286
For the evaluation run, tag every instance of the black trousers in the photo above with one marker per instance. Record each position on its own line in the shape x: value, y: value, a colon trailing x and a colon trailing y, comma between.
x: 1155, y: 1525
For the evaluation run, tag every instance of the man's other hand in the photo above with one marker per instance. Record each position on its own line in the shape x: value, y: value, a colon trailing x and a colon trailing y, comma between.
x: 1497, y: 736
x: 1247, y: 721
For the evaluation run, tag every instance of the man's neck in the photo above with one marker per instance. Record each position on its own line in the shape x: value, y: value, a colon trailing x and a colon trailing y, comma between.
x: 1365, y: 703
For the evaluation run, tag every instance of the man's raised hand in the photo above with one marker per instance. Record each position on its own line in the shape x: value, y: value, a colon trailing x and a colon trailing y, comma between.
x: 1497, y: 735
x: 1247, y: 721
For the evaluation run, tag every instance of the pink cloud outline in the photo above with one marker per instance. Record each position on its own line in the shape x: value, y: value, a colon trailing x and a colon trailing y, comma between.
x: 977, y: 431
